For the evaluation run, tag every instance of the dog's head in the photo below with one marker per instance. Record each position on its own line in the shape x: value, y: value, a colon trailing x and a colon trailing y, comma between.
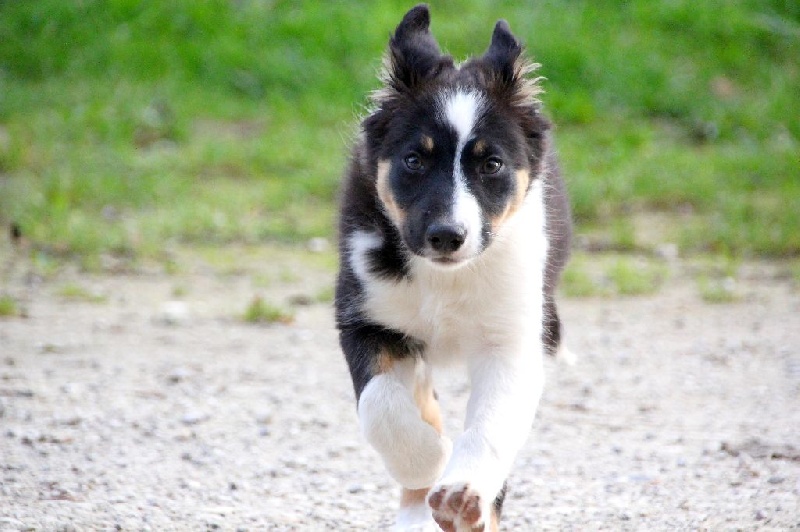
x: 455, y: 148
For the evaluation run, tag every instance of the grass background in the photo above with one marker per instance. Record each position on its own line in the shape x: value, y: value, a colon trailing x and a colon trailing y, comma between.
x: 127, y: 128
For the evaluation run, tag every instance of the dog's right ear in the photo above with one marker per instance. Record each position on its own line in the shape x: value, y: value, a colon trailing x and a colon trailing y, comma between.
x: 414, y: 55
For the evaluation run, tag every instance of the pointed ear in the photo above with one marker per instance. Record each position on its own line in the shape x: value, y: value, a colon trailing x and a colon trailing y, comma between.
x: 503, y: 53
x: 414, y: 54
x: 508, y: 68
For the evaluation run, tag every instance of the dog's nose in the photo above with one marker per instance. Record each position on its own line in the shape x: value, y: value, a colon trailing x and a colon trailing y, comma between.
x: 446, y: 238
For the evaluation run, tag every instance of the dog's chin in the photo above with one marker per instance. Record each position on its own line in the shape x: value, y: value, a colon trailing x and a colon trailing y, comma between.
x: 447, y: 263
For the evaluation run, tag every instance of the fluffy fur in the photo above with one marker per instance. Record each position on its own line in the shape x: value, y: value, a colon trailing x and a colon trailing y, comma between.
x: 454, y: 228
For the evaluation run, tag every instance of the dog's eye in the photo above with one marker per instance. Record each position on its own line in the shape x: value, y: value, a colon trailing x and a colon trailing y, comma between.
x: 413, y: 162
x: 492, y: 165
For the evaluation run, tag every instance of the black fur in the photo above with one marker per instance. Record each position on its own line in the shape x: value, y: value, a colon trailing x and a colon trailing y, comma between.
x: 559, y: 228
x: 499, y: 500
x: 363, y: 341
x: 415, y: 55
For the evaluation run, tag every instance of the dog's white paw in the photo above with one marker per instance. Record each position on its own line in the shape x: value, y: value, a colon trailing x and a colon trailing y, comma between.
x: 415, y: 514
x: 419, y: 523
x: 423, y: 527
x: 459, y: 507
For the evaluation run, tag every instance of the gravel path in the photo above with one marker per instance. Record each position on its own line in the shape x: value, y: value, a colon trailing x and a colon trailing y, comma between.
x: 141, y: 413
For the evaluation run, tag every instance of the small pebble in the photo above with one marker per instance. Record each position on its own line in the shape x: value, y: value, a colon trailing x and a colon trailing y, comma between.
x: 177, y: 375
x: 361, y: 488
x: 667, y: 251
x: 263, y: 418
x: 193, y: 418
x: 173, y: 313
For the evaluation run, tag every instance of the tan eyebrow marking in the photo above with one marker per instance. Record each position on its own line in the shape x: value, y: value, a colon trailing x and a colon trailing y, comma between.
x: 479, y: 148
x: 427, y: 144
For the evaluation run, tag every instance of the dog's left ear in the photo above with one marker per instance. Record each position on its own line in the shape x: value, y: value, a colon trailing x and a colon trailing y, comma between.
x: 508, y: 75
x: 508, y: 69
x: 503, y: 54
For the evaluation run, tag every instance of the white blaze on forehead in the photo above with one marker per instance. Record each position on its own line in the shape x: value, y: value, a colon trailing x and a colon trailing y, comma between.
x: 461, y: 111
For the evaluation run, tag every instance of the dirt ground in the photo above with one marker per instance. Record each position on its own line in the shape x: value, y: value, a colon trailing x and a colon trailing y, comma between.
x: 153, y: 407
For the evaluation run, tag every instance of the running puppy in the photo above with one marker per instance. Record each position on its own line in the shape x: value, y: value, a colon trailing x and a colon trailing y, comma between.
x: 454, y: 228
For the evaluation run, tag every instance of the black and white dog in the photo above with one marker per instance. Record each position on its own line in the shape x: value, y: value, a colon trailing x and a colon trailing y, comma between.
x: 454, y: 228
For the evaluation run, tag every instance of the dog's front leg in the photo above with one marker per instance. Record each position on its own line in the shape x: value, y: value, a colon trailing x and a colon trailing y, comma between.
x: 399, y: 416
x: 412, y: 449
x: 398, y: 413
x: 505, y: 393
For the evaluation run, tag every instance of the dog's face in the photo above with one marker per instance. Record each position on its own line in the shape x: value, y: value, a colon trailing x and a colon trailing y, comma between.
x: 455, y: 148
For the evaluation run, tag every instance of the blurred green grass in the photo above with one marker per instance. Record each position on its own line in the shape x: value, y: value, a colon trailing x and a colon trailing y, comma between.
x: 128, y: 126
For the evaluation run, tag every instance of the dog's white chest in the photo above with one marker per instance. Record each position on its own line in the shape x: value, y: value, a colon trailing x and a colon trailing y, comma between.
x: 464, y: 312
x: 445, y: 314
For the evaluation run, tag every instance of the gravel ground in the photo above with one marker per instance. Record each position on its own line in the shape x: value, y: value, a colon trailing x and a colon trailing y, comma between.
x: 142, y: 413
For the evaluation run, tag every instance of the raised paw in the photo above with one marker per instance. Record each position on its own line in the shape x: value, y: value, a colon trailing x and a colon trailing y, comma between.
x: 458, y: 508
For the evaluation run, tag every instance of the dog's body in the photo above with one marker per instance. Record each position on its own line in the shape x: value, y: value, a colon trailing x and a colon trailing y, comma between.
x: 454, y: 229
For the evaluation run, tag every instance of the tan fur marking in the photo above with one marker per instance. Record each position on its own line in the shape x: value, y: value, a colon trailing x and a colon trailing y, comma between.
x: 413, y: 497
x: 427, y: 144
x: 384, y: 188
x: 429, y: 410
x: 479, y: 148
x: 523, y: 180
x: 428, y: 405
x: 384, y: 363
x: 494, y: 522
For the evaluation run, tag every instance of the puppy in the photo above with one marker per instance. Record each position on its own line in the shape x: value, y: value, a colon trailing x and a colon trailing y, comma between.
x: 454, y: 228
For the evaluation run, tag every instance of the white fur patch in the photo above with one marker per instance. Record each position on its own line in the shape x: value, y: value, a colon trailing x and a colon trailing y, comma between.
x: 462, y: 110
x: 359, y: 245
x: 506, y: 387
x: 466, y: 212
x: 416, y: 518
x: 413, y: 452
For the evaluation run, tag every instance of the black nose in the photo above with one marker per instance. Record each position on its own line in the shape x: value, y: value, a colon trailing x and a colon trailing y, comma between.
x: 446, y: 238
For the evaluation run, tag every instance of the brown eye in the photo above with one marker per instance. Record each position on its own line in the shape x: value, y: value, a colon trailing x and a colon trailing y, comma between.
x: 492, y: 165
x: 413, y: 162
